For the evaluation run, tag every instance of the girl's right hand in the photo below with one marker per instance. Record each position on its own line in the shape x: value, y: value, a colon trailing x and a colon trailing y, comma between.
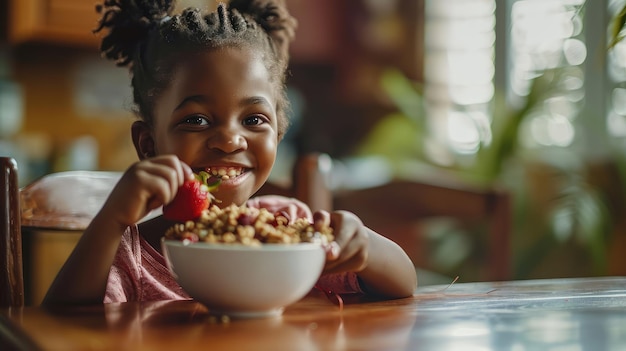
x: 144, y: 186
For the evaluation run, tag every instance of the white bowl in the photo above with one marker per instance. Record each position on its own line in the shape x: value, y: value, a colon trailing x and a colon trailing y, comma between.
x: 245, y: 281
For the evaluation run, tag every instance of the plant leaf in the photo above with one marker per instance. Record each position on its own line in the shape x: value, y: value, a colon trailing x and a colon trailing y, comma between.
x: 617, y: 26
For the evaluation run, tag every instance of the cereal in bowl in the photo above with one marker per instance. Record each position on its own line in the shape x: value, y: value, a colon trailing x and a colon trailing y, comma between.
x: 248, y: 226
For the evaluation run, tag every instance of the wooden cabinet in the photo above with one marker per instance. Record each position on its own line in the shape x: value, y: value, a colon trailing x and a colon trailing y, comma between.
x: 66, y: 22
x: 70, y: 23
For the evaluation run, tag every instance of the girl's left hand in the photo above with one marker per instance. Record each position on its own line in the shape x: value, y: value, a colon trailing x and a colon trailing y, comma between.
x: 350, y: 250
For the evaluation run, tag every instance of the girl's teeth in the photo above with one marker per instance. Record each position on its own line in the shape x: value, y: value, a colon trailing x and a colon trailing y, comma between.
x: 225, y: 173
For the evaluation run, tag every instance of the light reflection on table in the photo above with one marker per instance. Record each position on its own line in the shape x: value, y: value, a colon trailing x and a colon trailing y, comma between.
x: 555, y: 314
x: 563, y: 314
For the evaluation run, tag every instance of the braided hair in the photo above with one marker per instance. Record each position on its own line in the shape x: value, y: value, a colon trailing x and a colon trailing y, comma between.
x: 146, y: 37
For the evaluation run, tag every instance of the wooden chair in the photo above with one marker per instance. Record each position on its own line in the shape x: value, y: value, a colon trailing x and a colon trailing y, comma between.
x: 11, y: 277
x: 49, y: 203
x: 395, y: 209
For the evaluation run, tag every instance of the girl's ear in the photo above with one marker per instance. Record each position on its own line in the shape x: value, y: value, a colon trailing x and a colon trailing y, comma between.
x: 142, y: 139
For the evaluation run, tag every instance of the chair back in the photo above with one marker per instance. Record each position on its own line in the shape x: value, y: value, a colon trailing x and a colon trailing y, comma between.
x: 396, y: 208
x: 310, y: 182
x: 65, y: 200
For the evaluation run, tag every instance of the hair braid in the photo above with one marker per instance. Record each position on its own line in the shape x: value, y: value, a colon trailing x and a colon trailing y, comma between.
x: 274, y: 18
x: 128, y: 22
x: 142, y: 35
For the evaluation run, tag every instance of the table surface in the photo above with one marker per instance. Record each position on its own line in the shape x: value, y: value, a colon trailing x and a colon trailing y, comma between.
x: 550, y: 314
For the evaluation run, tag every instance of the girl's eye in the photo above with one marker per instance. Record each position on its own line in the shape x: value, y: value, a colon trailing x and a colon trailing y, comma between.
x: 196, y: 120
x: 253, y: 121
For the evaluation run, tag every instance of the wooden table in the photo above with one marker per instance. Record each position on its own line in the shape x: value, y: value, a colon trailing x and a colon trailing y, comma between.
x: 563, y: 314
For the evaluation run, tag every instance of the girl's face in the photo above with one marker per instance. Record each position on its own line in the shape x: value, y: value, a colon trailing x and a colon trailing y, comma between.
x: 219, y: 114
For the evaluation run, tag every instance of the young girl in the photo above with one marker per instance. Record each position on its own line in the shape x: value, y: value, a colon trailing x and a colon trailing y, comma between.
x: 210, y: 94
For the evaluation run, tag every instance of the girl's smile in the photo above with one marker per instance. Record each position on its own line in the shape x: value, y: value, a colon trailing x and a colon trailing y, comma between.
x: 230, y: 177
x: 225, y: 173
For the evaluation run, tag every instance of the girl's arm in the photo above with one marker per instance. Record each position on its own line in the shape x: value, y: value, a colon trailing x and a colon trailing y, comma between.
x: 144, y: 186
x: 389, y: 271
x: 381, y: 264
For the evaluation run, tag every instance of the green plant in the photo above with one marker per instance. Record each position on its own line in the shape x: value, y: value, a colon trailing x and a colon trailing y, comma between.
x: 577, y: 212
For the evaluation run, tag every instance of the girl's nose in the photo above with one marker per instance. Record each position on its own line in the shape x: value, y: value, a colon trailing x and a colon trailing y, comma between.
x: 227, y: 141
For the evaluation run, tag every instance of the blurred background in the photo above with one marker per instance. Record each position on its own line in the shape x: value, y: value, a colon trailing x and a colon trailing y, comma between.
x: 523, y: 96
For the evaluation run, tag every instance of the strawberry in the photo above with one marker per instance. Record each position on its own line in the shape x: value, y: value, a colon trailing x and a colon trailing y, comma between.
x: 193, y: 197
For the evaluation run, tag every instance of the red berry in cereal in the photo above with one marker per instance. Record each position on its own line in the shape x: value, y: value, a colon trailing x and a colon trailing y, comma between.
x: 246, y: 219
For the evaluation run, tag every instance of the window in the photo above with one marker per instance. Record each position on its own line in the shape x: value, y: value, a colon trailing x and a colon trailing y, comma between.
x: 616, y: 72
x: 482, y: 56
x: 458, y: 75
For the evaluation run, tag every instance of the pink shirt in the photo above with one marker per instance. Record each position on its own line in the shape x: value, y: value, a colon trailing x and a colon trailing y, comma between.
x: 139, y: 272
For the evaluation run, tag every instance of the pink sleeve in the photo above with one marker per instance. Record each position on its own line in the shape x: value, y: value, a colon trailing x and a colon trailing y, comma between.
x: 276, y: 203
x: 125, y: 271
x: 139, y: 273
